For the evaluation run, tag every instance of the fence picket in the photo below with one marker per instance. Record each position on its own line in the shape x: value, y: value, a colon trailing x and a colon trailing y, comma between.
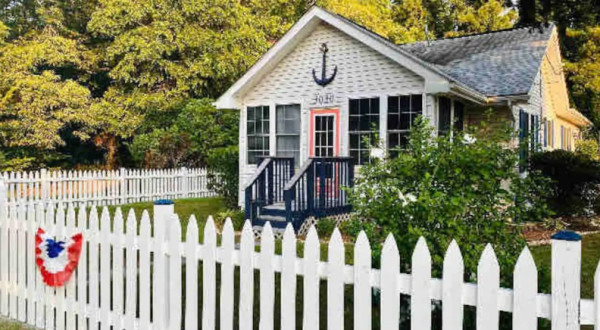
x: 82, y: 272
x: 117, y: 270
x: 12, y: 236
x: 209, y: 281
x: 175, y: 274
x: 94, y: 269
x: 21, y: 254
x: 70, y: 285
x: 335, y: 282
x: 105, y: 245
x: 48, y: 291
x: 31, y: 266
x: 39, y: 284
x: 144, y: 269
x: 525, y: 293
x: 311, y: 280
x: 288, y: 280
x: 246, y: 278
x: 362, y: 283
x: 60, y: 234
x: 453, y: 272
x: 267, y: 278
x: 390, y: 298
x: 131, y: 259
x: 227, y: 279
x: 191, y: 274
x: 488, y: 281
x: 420, y: 303
x: 4, y: 232
x: 159, y: 281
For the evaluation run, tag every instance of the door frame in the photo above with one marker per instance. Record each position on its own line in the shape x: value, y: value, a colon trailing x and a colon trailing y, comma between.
x: 336, y: 129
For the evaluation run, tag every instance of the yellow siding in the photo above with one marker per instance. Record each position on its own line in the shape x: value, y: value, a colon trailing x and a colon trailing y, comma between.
x: 556, y: 107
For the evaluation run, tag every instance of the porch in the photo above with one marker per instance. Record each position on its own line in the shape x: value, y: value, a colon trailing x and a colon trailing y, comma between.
x: 280, y: 195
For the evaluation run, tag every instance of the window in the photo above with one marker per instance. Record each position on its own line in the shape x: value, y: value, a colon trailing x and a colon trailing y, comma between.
x: 364, y: 125
x: 288, y: 131
x: 402, y: 113
x: 450, y: 115
x: 258, y: 133
x: 534, y: 121
x: 524, y: 127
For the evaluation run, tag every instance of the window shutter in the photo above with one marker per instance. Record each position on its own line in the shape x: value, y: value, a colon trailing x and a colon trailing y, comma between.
x: 523, y: 132
x: 546, y: 133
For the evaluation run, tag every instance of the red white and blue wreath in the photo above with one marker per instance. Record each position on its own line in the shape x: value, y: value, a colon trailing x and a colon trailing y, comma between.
x: 55, y: 259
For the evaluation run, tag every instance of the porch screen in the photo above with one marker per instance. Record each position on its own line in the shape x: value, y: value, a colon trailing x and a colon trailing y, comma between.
x: 288, y: 131
x: 364, y: 126
x: 257, y: 133
x: 402, y: 113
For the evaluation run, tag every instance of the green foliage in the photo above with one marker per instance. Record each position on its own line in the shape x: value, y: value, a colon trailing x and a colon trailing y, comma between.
x: 197, y: 129
x: 588, y: 148
x: 325, y: 227
x: 575, y: 179
x: 223, y: 175
x: 466, y: 188
x: 236, y: 216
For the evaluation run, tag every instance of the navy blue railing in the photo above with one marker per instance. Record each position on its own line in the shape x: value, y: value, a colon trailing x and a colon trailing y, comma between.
x: 266, y: 186
x: 318, y: 189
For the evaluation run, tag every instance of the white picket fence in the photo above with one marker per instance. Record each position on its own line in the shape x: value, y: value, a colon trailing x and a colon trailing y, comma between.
x: 119, y: 264
x: 106, y: 187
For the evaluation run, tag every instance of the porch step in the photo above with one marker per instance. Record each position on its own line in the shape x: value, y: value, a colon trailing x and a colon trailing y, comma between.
x: 276, y: 210
x: 276, y: 221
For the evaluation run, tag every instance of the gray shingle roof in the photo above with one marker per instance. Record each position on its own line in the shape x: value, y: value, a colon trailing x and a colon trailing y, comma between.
x: 496, y: 64
x: 499, y: 63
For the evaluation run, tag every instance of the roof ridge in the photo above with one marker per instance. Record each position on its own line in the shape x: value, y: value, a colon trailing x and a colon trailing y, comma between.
x: 540, y: 27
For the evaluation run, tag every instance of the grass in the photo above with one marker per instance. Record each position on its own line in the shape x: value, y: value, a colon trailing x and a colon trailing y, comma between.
x: 11, y: 325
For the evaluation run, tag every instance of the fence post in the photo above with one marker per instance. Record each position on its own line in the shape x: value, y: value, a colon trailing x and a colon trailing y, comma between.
x: 183, y: 172
x: 44, y: 185
x: 164, y: 211
x: 123, y: 182
x: 566, y: 279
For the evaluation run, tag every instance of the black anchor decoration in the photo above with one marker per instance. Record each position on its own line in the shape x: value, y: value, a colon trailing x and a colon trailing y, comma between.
x: 324, y: 81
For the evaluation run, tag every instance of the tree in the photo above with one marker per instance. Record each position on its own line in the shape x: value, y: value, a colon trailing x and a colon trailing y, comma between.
x: 198, y: 130
x: 41, y: 91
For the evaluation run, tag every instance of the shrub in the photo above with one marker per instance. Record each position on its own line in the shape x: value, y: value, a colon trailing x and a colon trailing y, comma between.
x: 236, y: 216
x: 223, y: 175
x: 588, y: 148
x: 575, y: 180
x: 465, y: 188
x: 325, y: 227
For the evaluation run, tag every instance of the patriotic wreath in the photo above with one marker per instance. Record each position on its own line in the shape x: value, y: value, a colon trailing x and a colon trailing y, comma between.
x: 55, y: 259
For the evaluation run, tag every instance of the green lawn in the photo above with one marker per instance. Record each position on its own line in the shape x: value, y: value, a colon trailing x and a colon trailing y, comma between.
x: 10, y: 325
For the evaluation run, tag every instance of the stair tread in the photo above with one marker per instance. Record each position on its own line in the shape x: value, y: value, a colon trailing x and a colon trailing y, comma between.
x: 276, y: 206
x: 271, y: 218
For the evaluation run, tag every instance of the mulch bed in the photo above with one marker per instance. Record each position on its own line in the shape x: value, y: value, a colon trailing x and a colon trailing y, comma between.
x: 540, y: 234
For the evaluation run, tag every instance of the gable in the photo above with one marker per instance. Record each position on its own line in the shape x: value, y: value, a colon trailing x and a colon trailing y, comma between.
x: 556, y: 98
x: 361, y: 70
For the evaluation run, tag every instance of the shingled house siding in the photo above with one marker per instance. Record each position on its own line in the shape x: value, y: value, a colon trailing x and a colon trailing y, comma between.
x: 362, y: 72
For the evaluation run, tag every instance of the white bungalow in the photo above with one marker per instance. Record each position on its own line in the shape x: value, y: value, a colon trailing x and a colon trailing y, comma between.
x: 329, y: 83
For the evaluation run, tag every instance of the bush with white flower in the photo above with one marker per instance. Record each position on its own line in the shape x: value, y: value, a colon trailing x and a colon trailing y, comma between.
x: 466, y: 188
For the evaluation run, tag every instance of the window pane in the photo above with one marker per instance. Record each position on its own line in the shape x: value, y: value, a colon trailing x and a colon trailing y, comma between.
x: 393, y: 104
x: 404, y: 103
x: 354, y: 107
x: 417, y: 103
x: 393, y: 122
x: 458, y: 115
x: 364, y: 106
x: 445, y: 115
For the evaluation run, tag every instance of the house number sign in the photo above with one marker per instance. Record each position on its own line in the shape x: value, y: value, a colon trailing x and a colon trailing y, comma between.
x: 323, y: 99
